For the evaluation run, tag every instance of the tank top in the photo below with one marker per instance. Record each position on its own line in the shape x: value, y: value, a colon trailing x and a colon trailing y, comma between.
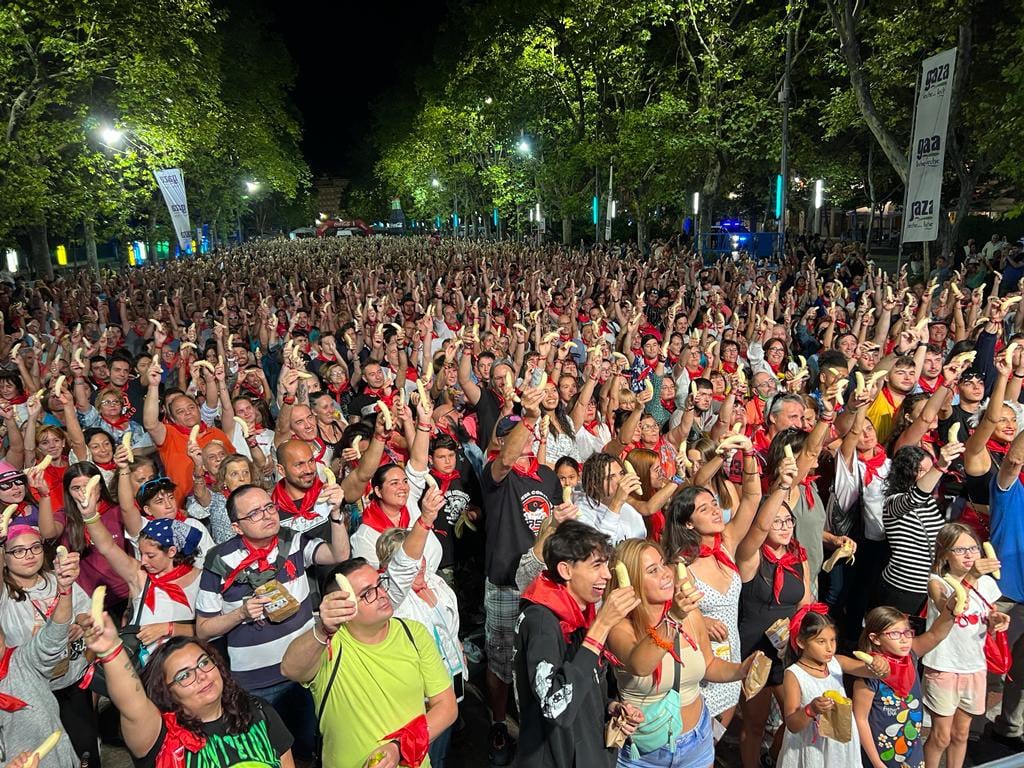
x: 640, y: 690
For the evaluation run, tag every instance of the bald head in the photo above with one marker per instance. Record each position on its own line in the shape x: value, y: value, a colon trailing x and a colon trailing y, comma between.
x: 296, y: 463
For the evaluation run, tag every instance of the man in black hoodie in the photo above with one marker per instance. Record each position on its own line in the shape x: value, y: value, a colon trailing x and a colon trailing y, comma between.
x: 559, y: 660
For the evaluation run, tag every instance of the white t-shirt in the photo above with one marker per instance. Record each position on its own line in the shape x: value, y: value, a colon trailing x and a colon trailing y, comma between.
x: 963, y: 650
x: 847, y: 484
x: 587, y: 444
x: 626, y: 524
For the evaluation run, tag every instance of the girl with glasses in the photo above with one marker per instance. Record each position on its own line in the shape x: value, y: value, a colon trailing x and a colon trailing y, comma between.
x: 28, y: 598
x: 887, y: 711
x: 955, y: 671
x: 188, y: 710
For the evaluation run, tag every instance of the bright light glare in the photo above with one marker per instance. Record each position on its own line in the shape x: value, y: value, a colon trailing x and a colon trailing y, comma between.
x: 696, y: 203
x: 252, y: 186
x: 488, y: 100
x: 12, y: 260
x: 819, y: 192
x: 524, y: 147
x: 111, y: 136
x: 435, y: 183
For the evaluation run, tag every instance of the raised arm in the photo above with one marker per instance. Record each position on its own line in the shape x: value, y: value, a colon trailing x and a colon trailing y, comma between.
x: 747, y: 552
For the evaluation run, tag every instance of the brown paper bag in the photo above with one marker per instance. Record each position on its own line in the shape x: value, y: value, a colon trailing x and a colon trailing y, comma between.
x: 837, y: 723
x: 282, y: 605
x: 757, y: 676
x: 613, y: 735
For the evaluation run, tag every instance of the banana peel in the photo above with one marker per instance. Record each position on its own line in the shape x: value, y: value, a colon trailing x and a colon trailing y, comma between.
x: 845, y: 552
x: 462, y: 524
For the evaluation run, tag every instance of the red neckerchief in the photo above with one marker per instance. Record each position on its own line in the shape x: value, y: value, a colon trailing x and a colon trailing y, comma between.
x: 338, y: 389
x: 716, y: 551
x: 413, y: 740
x: 203, y: 429
x: 783, y: 564
x: 776, y: 369
x: 901, y: 674
x: 8, y: 703
x: 930, y: 388
x: 557, y: 311
x: 873, y: 463
x: 119, y: 423
x: 808, y: 483
x: 25, y: 508
x: 888, y: 396
x: 668, y: 405
x: 445, y: 480
x: 256, y: 391
x: 18, y: 399
x: 375, y: 517
x: 798, y: 619
x: 592, y: 426
x: 671, y: 359
x: 258, y: 556
x: 177, y: 741
x: 532, y: 471
x: 453, y: 327
x: 695, y: 373
x: 648, y: 369
x: 1001, y: 449
x: 388, y: 399
x: 304, y: 508
x: 110, y: 466
x: 759, y: 437
x: 167, y: 585
x: 728, y: 367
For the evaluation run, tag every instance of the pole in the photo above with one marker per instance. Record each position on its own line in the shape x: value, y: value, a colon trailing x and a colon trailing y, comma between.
x: 784, y: 99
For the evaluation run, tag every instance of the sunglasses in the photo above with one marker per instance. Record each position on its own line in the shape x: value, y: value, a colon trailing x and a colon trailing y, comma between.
x: 6, y: 485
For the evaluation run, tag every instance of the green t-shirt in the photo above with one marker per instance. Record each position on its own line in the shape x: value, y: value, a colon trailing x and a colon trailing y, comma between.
x: 378, y: 689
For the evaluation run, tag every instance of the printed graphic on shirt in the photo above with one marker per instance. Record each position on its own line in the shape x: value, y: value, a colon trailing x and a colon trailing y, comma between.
x: 455, y: 503
x: 245, y: 750
x: 536, y: 508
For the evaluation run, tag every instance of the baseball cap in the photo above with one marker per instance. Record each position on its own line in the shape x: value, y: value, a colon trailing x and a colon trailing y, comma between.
x: 506, y: 425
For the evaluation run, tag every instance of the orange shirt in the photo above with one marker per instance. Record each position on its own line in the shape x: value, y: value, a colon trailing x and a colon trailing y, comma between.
x: 177, y: 464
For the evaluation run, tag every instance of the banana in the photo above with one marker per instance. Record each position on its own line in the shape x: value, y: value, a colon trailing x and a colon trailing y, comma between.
x: 92, y: 485
x: 156, y: 323
x: 193, y: 435
x: 681, y: 573
x: 98, y: 596
x: 959, y: 591
x: 242, y: 426
x: 430, y: 481
x: 567, y: 494
x: 543, y: 382
x: 990, y: 553
x: 204, y: 364
x: 305, y: 375
x: 47, y: 746
x: 59, y: 384
x: 966, y: 357
x: 62, y: 552
x: 549, y: 337
x: 1007, y: 303
x: 787, y: 449
x: 14, y: 351
x: 876, y: 376
x: 681, y: 453
x: 867, y: 658
x: 954, y: 433
x: 126, y: 441
x: 629, y: 467
x: 693, y: 389
x: 422, y: 391
x: 622, y: 575
x: 355, y: 447
x: 346, y: 586
x: 861, y: 383
x: 1009, y: 352
x: 39, y: 393
x: 77, y: 357
x: 42, y: 465
x: 385, y: 413
x: 5, y: 520
x: 737, y: 428
x: 649, y: 386
x: 729, y: 443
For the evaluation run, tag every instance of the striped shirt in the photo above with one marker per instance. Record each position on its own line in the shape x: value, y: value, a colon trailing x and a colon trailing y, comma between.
x: 912, y: 522
x: 256, y: 649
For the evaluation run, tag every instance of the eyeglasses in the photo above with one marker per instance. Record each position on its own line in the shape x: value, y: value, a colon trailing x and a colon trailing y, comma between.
x: 896, y: 634
x: 783, y: 524
x: 20, y: 553
x: 373, y: 592
x: 961, y: 551
x: 260, y: 514
x: 109, y: 401
x: 187, y: 676
x: 6, y: 485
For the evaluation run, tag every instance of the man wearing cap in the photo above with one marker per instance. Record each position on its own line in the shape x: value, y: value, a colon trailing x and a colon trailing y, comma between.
x: 158, y: 501
x: 971, y: 388
x: 518, y: 494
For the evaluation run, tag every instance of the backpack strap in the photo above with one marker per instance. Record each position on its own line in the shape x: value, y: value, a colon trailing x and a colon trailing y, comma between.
x: 408, y: 633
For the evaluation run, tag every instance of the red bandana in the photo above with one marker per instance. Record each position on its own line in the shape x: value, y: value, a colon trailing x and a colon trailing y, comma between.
x: 888, y: 396
x: 1000, y: 449
x: 798, y: 619
x: 375, y: 517
x: 930, y: 388
x: 413, y: 741
x: 119, y: 423
x: 556, y: 598
x: 445, y: 480
x: 166, y: 584
x: 203, y: 429
x: 177, y: 741
x: 808, y: 484
x: 716, y: 551
x: 901, y: 674
x: 259, y: 557
x: 592, y: 426
x: 8, y: 703
x: 873, y: 463
x: 304, y: 508
x: 532, y: 471
x: 783, y: 564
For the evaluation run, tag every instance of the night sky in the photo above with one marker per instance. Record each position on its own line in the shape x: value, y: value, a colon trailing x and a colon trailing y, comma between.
x: 349, y: 55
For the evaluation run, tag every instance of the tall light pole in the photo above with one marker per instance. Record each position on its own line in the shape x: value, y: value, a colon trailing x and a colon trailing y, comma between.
x: 784, y: 100
x: 819, y: 197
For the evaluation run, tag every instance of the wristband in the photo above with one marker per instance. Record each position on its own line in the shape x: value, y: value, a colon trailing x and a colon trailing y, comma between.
x: 421, y: 524
x: 90, y: 520
x: 64, y: 592
x: 338, y: 521
x: 315, y: 637
x: 111, y: 654
x: 288, y: 399
x: 810, y: 713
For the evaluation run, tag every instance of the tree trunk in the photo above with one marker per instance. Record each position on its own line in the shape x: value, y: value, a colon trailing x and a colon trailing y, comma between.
x: 566, y: 229
x: 963, y: 207
x: 91, y: 261
x: 39, y: 253
x: 641, y: 228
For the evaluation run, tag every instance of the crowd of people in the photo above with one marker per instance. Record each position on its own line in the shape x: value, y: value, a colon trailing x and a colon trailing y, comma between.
x: 256, y: 502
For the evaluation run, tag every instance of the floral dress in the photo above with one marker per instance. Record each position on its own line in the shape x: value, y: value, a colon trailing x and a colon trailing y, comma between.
x: 895, y: 724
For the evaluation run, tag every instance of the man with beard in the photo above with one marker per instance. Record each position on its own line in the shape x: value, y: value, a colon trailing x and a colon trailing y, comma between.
x: 300, y: 424
x: 301, y: 503
x: 931, y: 373
x: 490, y: 401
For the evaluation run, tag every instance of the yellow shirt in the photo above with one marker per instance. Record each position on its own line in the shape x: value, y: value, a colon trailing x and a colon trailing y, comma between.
x: 880, y: 414
x: 378, y: 689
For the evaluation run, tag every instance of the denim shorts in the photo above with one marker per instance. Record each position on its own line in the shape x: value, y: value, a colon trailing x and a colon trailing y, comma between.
x: 694, y: 749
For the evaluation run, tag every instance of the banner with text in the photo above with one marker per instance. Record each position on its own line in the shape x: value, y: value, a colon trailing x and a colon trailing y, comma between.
x: 928, y: 149
x: 172, y: 185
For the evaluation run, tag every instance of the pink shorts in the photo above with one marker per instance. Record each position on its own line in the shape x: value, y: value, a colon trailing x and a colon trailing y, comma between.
x: 946, y: 692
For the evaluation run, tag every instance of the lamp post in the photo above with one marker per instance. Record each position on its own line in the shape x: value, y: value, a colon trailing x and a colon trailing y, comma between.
x: 819, y: 195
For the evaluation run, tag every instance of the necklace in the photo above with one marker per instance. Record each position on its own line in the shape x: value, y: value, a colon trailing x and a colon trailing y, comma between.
x: 822, y: 668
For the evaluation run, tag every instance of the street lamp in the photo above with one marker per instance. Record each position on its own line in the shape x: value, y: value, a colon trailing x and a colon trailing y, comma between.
x: 252, y: 187
x: 819, y: 196
x: 435, y: 183
x: 110, y: 135
x: 523, y: 146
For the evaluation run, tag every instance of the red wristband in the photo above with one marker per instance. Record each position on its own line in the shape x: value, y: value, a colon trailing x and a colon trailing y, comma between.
x: 288, y: 399
x: 111, y: 655
x: 809, y: 712
x: 421, y: 524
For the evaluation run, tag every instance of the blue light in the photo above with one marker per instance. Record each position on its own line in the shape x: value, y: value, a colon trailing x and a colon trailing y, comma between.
x: 593, y: 211
x: 778, y: 196
x: 494, y: 217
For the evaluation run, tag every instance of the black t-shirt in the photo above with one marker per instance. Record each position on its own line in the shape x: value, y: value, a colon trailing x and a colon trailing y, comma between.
x: 259, y: 747
x: 487, y: 411
x: 513, y: 512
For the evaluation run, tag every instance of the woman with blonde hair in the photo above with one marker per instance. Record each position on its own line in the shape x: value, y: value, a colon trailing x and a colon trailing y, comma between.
x: 656, y: 490
x: 665, y: 653
x: 206, y: 503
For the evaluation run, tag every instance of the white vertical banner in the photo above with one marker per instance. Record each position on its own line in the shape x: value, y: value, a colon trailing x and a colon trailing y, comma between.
x: 610, y: 209
x: 172, y: 185
x: 928, y: 149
